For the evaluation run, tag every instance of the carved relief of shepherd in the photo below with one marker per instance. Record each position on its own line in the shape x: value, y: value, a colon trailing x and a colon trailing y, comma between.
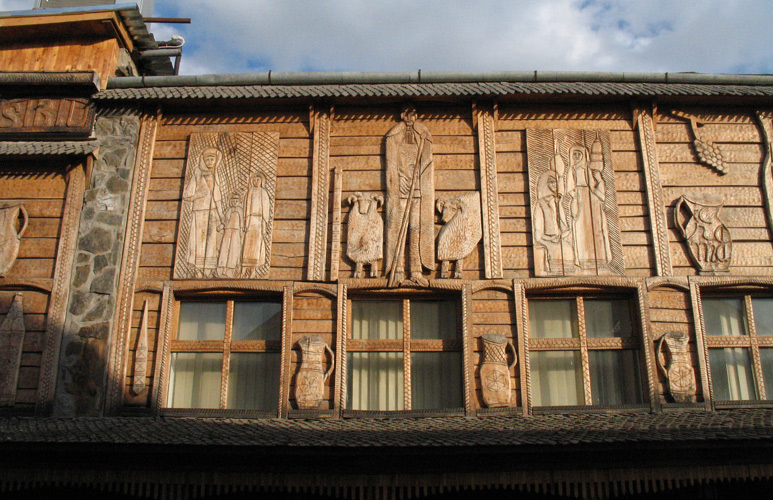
x: 410, y: 201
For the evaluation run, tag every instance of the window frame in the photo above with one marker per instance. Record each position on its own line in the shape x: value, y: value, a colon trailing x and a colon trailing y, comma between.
x: 584, y: 344
x: 406, y: 346
x: 169, y: 344
x: 751, y: 341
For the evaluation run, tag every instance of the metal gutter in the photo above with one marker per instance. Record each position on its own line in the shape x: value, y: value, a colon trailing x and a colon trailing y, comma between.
x: 69, y: 10
x: 418, y: 77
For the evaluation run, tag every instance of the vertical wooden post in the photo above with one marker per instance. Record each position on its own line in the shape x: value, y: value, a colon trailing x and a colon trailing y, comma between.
x: 647, y: 346
x: 467, y: 350
x: 335, y: 243
x: 341, y: 335
x: 320, y: 190
x: 161, y: 370
x: 287, y: 346
x: 519, y: 296
x: 703, y: 353
x: 492, y: 247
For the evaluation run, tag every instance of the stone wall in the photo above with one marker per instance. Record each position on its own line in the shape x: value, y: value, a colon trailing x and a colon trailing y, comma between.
x: 83, y: 357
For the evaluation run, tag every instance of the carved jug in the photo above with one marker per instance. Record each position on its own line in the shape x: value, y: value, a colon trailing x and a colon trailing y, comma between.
x: 10, y: 238
x: 708, y: 238
x: 679, y: 372
x: 311, y: 378
x: 495, y: 371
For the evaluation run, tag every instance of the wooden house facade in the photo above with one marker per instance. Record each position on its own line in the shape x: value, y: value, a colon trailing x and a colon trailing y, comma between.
x: 526, y: 285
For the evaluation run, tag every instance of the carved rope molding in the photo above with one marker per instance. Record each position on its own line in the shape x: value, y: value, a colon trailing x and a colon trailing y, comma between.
x: 57, y: 306
x: 492, y: 247
x: 467, y: 349
x: 766, y: 169
x: 655, y: 202
x: 130, y: 262
x: 319, y: 194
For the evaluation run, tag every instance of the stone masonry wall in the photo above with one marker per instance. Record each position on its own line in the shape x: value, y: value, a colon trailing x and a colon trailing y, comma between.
x: 83, y: 358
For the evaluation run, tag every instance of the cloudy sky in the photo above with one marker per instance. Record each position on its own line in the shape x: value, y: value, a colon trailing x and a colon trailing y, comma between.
x: 238, y: 36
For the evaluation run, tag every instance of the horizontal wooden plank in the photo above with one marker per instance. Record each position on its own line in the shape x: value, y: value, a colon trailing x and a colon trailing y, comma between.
x: 196, y: 126
x: 34, y: 302
x: 505, y: 123
x: 627, y: 161
x: 510, y: 141
x: 170, y: 149
x: 290, y: 231
x: 42, y: 248
x: 162, y: 210
x: 698, y: 175
x: 156, y: 255
x: 355, y: 146
x: 638, y: 257
x: 159, y: 231
x: 293, y: 188
x: 733, y: 196
x: 31, y: 268
x: 39, y: 187
x: 447, y: 123
x: 629, y: 181
x: 511, y: 162
x: 662, y: 299
x: 638, y: 238
x: 634, y: 224
x: 732, y: 153
x: 165, y: 189
x: 46, y: 208
x: 714, y: 132
x: 670, y: 315
x: 165, y: 169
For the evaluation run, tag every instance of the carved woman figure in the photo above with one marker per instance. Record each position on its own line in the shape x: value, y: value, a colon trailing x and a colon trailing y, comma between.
x: 204, y: 193
x: 579, y: 191
x: 257, y: 211
x: 231, y: 244
x: 598, y: 190
x: 550, y: 222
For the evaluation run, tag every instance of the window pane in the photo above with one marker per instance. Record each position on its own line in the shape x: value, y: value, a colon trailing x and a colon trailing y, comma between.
x: 556, y: 379
x: 552, y: 319
x: 375, y: 381
x: 257, y: 321
x: 201, y: 321
x: 724, y: 317
x: 433, y: 319
x: 436, y: 380
x: 614, y: 377
x: 377, y: 319
x: 766, y: 357
x: 763, y: 316
x: 253, y: 381
x: 608, y: 318
x: 194, y: 380
x: 731, y: 374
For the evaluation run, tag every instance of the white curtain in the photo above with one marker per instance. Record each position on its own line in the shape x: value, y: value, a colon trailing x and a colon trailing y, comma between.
x: 201, y: 321
x: 614, y: 377
x: 607, y: 318
x: 556, y: 379
x: 253, y: 381
x: 763, y: 316
x: 194, y: 380
x: 436, y: 380
x: 766, y: 357
x: 373, y: 319
x: 552, y: 319
x: 433, y: 320
x: 724, y: 317
x: 731, y: 374
x: 257, y: 321
x: 375, y: 381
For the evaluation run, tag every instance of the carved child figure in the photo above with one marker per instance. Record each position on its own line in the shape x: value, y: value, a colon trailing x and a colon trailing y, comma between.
x: 231, y: 244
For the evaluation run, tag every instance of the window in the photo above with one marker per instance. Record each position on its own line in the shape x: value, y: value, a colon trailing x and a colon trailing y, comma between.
x: 739, y: 335
x: 404, y: 355
x: 226, y: 355
x: 583, y: 351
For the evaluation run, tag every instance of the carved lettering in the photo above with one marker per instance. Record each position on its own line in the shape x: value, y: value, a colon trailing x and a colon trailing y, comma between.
x: 575, y: 227
x: 365, y: 236
x: 11, y: 342
x: 460, y: 234
x: 228, y: 206
x: 46, y: 116
x: 697, y: 217
x: 13, y: 224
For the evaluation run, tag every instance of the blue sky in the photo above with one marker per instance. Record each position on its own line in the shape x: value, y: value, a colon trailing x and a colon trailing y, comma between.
x: 238, y: 36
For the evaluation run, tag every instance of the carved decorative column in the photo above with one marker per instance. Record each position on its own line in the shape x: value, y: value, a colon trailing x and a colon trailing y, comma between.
x: 656, y: 204
x: 492, y: 247
x: 320, y: 190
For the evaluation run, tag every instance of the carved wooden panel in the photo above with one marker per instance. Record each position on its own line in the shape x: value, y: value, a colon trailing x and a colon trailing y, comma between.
x: 365, y: 233
x: 461, y: 232
x: 13, y: 224
x: 697, y: 217
x: 11, y: 343
x: 141, y: 354
x: 227, y: 213
x: 575, y: 224
x: 74, y: 116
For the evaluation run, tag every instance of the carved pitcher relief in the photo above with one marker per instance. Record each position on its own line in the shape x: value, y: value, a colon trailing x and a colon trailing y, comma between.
x: 575, y: 226
x: 495, y: 370
x: 410, y: 201
x: 311, y: 378
x: 365, y: 236
x: 13, y: 224
x: 11, y: 343
x: 460, y: 234
x: 677, y: 370
x: 697, y: 217
x: 227, y: 212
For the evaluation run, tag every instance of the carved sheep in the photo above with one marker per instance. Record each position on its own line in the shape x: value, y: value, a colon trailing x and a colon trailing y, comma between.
x: 365, y: 233
x: 460, y: 234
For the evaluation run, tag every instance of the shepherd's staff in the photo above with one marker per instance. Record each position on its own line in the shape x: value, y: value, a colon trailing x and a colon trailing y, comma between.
x: 403, y: 234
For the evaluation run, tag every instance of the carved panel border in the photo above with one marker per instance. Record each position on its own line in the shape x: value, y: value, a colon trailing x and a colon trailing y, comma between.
x: 320, y: 190
x: 703, y: 351
x: 341, y: 335
x: 287, y: 346
x: 655, y: 201
x: 492, y: 247
x: 57, y: 306
x: 163, y: 343
x: 521, y: 324
x: 647, y: 346
x: 335, y: 245
x: 766, y: 169
x: 673, y: 281
x: 130, y: 262
x: 467, y: 349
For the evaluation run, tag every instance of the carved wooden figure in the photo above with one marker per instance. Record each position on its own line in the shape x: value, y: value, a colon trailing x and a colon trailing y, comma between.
x: 311, y: 377
x: 708, y: 153
x: 697, y: 217
x: 365, y: 235
x: 228, y: 206
x: 678, y: 370
x: 410, y: 201
x: 11, y: 232
x: 495, y: 370
x: 575, y: 227
x: 141, y: 354
x: 11, y: 343
x: 460, y: 234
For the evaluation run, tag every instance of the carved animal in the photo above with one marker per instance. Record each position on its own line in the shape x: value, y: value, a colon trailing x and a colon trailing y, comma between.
x: 365, y: 234
x: 460, y: 234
